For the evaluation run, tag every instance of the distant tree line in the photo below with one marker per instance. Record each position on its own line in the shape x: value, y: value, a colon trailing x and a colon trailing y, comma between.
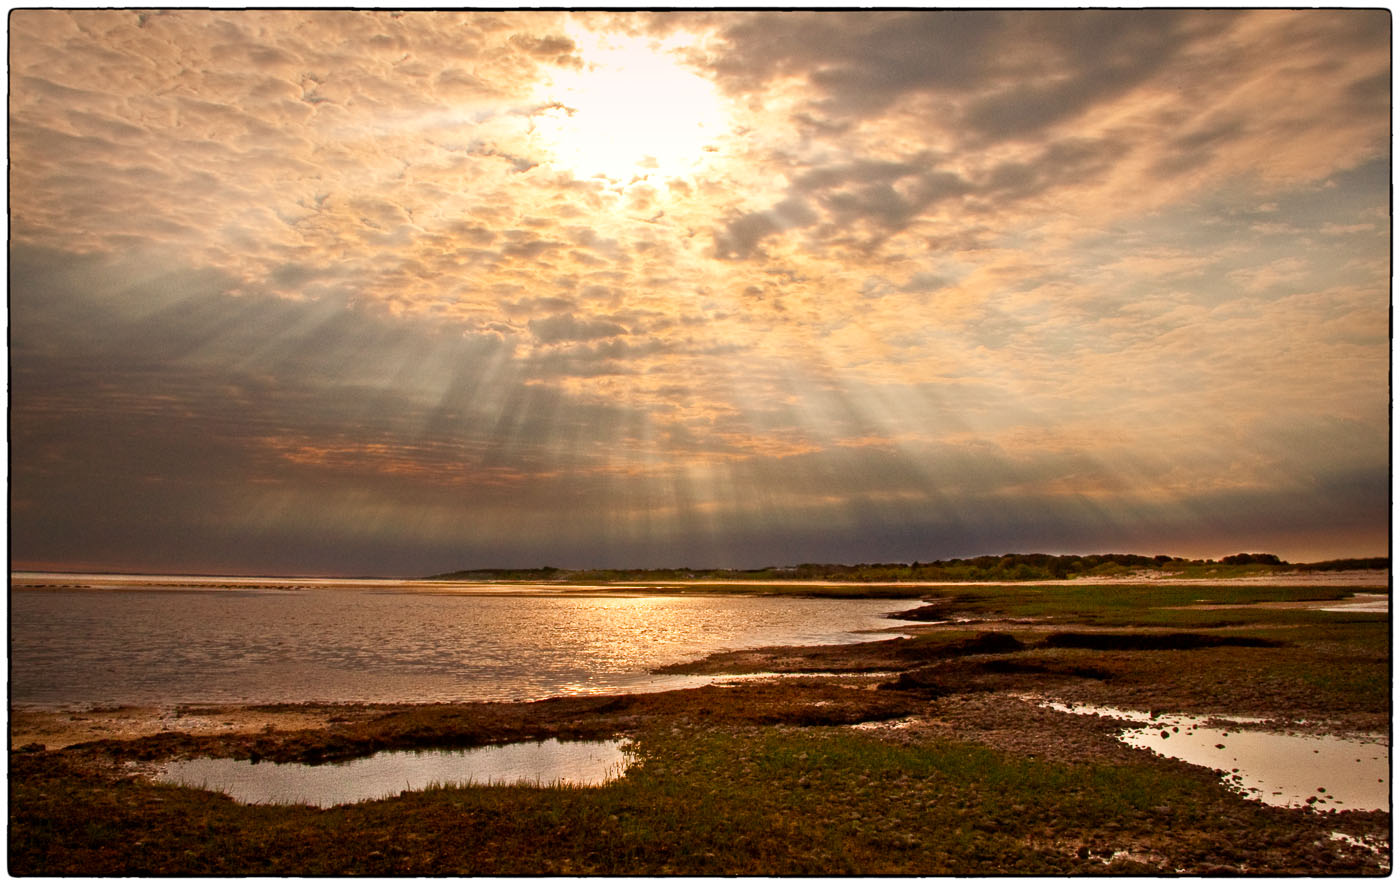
x: 1342, y: 565
x: 1007, y: 567
x: 1252, y: 559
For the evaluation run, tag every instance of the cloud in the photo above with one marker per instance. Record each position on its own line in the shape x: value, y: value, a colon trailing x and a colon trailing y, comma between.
x: 556, y: 49
x: 924, y: 282
x: 1045, y: 66
x: 863, y: 62
x: 742, y: 236
x: 929, y: 265
x: 866, y: 202
x: 565, y: 327
x: 1097, y: 55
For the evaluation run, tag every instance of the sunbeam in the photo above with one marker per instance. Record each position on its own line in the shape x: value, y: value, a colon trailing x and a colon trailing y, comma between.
x: 410, y: 292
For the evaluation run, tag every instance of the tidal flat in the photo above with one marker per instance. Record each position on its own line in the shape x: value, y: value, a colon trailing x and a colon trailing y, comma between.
x: 939, y: 752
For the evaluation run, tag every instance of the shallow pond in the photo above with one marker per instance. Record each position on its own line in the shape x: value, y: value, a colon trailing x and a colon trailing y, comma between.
x: 543, y: 763
x: 1362, y: 602
x: 1292, y: 770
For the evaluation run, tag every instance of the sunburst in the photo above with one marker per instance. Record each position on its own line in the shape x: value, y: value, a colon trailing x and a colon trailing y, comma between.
x: 631, y: 109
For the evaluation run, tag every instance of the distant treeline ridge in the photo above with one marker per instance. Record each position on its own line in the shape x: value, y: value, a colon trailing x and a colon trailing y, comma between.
x: 1008, y: 567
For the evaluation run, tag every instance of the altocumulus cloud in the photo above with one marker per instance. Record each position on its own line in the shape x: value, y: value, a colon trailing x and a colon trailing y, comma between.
x: 565, y: 327
x: 339, y: 291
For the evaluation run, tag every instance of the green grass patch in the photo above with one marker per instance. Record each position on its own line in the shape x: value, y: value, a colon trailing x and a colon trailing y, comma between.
x: 727, y: 783
x: 1159, y: 604
x: 747, y: 801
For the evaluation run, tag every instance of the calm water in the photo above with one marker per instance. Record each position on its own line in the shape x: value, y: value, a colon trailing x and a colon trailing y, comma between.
x: 536, y: 763
x: 1291, y: 770
x: 358, y: 642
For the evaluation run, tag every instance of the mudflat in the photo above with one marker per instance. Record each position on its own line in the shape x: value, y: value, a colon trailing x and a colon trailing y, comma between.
x: 932, y: 754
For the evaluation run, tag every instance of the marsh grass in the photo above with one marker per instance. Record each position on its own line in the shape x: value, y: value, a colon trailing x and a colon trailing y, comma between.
x: 1160, y: 604
x: 767, y: 779
x: 700, y: 801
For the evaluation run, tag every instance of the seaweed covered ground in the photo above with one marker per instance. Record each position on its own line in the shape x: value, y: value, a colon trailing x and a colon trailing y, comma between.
x: 923, y: 755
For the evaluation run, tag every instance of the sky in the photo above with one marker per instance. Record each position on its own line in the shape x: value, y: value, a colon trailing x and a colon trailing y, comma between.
x: 397, y: 293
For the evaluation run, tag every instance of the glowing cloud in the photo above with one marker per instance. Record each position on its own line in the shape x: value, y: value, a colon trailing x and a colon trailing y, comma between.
x: 361, y: 291
x: 629, y: 109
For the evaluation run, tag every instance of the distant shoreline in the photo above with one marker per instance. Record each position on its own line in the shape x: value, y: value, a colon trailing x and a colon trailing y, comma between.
x: 35, y: 580
x: 1006, y: 568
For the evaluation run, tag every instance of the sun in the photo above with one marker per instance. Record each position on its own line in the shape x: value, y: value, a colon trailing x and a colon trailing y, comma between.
x: 632, y: 109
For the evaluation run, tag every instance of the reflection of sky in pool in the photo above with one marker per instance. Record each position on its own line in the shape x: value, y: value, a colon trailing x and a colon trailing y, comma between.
x: 1327, y: 772
x: 544, y: 763
x: 1362, y: 602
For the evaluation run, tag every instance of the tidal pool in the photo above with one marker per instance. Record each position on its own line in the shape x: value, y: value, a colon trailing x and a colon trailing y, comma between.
x: 542, y: 763
x: 1326, y: 772
x: 1362, y: 602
